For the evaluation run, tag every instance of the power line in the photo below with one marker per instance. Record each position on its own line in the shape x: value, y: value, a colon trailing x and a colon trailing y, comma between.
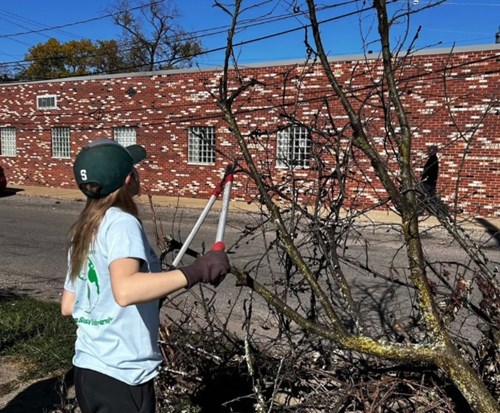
x: 61, y: 26
x: 196, y: 35
x: 248, y: 23
x: 9, y: 15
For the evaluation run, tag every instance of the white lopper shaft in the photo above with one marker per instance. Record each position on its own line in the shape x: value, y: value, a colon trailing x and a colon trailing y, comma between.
x: 193, y: 232
x: 223, y: 213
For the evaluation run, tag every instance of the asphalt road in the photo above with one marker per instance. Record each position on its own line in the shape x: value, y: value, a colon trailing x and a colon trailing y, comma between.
x: 34, y: 239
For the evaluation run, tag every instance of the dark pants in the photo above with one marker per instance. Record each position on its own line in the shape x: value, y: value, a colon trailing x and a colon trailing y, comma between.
x: 98, y: 393
x: 430, y: 189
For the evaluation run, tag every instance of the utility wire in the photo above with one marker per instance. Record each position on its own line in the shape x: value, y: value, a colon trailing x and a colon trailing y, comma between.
x: 12, y: 17
x: 250, y: 41
x: 61, y: 26
x: 198, y: 35
x: 248, y: 23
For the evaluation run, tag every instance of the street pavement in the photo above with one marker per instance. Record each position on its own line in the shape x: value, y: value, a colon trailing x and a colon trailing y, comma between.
x: 375, y: 216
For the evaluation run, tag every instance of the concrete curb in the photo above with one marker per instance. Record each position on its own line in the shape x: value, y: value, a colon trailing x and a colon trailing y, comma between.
x: 167, y: 201
x: 374, y: 216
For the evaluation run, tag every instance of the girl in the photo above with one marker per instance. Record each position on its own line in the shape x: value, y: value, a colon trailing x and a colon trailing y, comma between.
x: 110, y: 290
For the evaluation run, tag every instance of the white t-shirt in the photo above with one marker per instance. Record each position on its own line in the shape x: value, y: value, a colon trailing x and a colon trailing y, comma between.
x: 120, y: 342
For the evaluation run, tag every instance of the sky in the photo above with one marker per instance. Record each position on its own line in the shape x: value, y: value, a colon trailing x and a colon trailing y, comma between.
x: 269, y: 33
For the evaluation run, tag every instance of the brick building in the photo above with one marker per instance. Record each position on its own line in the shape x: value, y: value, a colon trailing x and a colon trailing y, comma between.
x: 451, y: 96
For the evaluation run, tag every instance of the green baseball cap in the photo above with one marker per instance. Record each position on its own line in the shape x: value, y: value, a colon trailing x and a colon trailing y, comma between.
x: 105, y: 163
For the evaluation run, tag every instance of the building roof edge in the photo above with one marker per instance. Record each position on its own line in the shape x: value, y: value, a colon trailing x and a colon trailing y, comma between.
x: 339, y: 58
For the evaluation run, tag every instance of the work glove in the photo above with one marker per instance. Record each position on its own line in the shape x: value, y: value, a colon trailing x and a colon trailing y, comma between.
x: 209, y: 268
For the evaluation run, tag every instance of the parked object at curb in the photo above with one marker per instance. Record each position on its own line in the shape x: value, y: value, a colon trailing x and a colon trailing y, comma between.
x: 3, y: 180
x: 430, y: 173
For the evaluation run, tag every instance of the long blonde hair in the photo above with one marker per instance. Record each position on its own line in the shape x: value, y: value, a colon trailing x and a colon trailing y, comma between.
x: 84, y: 230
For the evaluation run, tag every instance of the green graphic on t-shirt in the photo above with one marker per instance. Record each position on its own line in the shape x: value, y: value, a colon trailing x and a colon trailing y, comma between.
x: 92, y: 286
x: 92, y: 276
x: 90, y: 298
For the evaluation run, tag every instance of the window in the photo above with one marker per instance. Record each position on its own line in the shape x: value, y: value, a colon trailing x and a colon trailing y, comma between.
x: 125, y: 136
x: 201, y: 145
x: 293, y: 148
x: 8, y: 142
x: 60, y: 143
x: 46, y: 102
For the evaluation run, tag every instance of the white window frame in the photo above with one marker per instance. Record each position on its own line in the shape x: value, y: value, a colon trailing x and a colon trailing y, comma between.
x: 61, y: 142
x: 293, y: 148
x: 43, y: 102
x: 201, y: 145
x: 8, y: 141
x: 125, y: 135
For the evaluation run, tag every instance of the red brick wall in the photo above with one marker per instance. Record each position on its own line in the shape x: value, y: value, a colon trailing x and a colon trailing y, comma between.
x: 456, y: 108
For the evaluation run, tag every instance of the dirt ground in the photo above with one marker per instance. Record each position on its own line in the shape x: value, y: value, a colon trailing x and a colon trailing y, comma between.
x: 9, y: 375
x: 20, y: 396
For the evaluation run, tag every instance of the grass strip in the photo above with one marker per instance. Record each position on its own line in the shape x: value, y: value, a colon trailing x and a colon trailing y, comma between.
x: 36, y: 333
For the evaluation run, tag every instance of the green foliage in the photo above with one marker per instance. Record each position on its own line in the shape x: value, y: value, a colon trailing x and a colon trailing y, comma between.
x: 37, y: 333
x: 46, y: 61
x: 53, y: 59
x: 108, y: 58
x: 151, y: 40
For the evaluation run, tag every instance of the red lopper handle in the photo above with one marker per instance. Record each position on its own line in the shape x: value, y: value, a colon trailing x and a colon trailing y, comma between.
x: 218, y: 246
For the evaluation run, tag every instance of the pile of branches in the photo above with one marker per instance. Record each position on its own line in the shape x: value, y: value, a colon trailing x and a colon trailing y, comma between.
x: 204, y: 373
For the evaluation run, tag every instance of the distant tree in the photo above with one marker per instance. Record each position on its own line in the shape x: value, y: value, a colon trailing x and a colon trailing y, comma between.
x: 46, y: 61
x: 108, y: 58
x: 153, y: 39
x: 78, y: 56
x: 53, y: 59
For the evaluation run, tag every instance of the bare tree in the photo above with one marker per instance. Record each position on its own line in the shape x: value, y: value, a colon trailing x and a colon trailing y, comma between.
x: 152, y: 38
x: 312, y: 222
